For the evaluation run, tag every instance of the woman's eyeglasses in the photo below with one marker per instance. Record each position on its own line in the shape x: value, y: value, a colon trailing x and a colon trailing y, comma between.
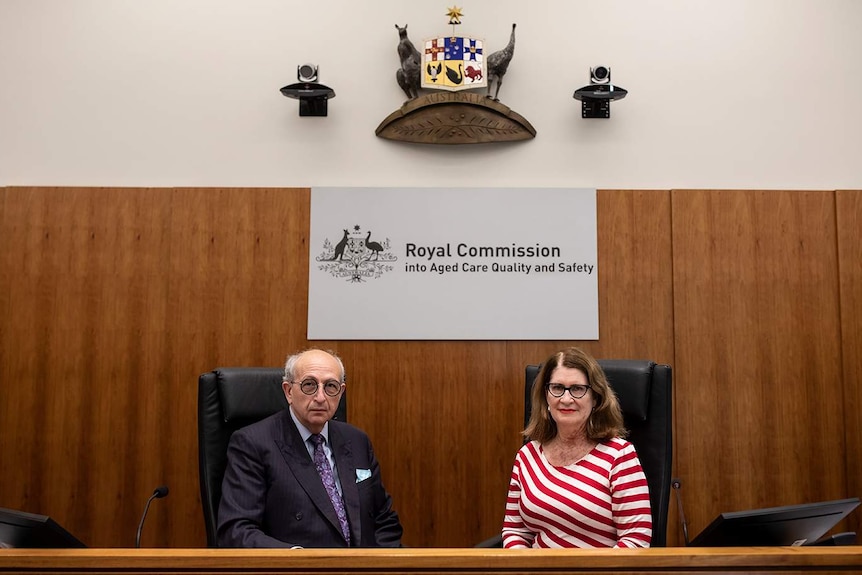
x: 577, y: 391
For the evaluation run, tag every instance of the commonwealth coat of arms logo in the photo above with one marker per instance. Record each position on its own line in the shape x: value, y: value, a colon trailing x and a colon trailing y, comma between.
x: 356, y: 257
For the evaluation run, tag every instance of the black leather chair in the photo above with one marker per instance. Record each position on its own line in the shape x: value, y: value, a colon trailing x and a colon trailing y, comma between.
x: 644, y: 391
x: 230, y: 398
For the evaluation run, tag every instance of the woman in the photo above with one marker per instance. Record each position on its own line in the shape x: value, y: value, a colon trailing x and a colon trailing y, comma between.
x: 577, y: 482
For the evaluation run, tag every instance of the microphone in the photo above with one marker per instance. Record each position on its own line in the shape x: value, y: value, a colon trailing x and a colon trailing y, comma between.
x: 160, y: 491
x: 676, y: 483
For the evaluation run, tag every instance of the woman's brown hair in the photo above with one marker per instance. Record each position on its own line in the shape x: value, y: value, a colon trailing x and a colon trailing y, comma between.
x: 606, y: 419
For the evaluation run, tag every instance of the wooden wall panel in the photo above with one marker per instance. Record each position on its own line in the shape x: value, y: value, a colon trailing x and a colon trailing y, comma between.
x: 237, y: 278
x: 159, y: 286
x: 849, y: 220
x: 635, y: 275
x: 81, y: 354
x: 116, y: 300
x: 757, y: 335
x: 636, y: 285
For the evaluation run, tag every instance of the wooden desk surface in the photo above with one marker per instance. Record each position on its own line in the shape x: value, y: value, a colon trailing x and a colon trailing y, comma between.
x: 677, y: 560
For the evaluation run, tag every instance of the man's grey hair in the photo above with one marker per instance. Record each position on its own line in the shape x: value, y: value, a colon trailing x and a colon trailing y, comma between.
x: 290, y: 364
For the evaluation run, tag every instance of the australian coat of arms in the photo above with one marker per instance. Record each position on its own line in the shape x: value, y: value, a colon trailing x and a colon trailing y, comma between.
x: 356, y: 257
x: 453, y: 64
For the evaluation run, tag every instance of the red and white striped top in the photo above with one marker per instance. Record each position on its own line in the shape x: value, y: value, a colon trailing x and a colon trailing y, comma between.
x: 602, y: 500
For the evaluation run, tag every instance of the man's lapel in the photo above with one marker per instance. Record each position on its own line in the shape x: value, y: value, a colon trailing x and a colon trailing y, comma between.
x: 300, y: 464
x: 344, y: 462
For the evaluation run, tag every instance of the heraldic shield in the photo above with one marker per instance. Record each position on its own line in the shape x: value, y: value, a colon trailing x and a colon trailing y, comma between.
x: 453, y: 63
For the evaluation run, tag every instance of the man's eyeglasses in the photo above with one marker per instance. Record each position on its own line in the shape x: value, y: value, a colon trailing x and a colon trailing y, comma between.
x: 577, y: 391
x: 310, y: 387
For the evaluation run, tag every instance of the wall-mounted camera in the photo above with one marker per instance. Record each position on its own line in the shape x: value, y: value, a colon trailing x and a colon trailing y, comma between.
x: 312, y: 96
x: 600, y: 75
x: 597, y: 97
x: 306, y: 73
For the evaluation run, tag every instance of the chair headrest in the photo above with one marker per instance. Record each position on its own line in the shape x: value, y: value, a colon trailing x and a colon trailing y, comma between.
x: 631, y: 380
x: 250, y: 393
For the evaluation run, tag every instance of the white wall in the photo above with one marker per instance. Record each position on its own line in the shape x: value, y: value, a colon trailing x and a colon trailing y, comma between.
x: 722, y: 94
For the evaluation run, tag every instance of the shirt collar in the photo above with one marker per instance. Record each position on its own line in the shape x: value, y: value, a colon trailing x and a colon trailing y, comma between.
x: 304, y: 432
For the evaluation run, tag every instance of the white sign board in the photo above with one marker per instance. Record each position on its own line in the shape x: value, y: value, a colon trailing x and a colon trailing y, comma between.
x: 453, y: 264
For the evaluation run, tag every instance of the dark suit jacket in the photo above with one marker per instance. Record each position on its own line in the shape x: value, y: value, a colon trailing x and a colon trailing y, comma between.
x: 272, y: 495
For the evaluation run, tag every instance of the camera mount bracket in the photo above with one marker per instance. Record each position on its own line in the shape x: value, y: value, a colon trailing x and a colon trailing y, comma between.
x: 311, y: 95
x: 596, y: 99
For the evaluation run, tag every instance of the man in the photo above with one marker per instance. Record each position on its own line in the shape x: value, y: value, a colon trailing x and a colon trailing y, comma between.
x: 297, y: 479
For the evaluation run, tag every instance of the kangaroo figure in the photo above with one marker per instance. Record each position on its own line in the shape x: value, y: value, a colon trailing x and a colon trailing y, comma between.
x: 339, y: 248
x: 408, y: 75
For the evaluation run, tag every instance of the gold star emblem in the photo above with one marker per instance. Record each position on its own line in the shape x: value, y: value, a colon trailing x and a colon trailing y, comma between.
x: 454, y: 15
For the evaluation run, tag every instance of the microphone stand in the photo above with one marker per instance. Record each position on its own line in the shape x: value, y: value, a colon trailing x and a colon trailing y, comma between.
x: 676, y: 484
x: 159, y: 492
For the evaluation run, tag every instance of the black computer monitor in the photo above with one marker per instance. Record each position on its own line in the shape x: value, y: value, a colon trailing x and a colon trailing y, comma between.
x: 29, y: 531
x: 788, y: 525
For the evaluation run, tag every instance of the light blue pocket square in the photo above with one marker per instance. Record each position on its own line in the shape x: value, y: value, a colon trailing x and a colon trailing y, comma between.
x: 362, y: 475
